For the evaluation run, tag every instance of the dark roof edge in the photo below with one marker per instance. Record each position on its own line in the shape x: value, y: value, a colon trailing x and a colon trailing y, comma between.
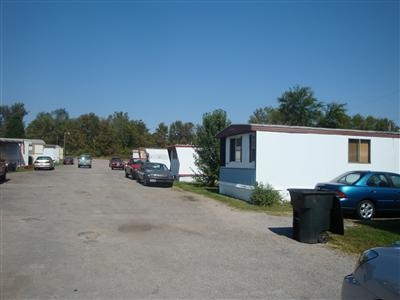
x: 236, y: 129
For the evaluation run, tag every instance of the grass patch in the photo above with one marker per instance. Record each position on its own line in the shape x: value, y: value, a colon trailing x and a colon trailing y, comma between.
x: 358, y: 235
x: 284, y: 209
x: 362, y: 235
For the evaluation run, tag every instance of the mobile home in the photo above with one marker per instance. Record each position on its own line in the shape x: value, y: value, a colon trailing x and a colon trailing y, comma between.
x: 183, y: 162
x: 299, y: 157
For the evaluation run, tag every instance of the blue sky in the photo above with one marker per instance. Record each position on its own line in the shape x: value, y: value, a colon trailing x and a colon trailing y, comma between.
x: 163, y: 61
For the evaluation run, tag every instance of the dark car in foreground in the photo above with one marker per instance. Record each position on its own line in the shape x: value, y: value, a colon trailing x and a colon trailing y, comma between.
x: 116, y: 163
x: 376, y: 275
x: 131, y: 167
x: 155, y: 174
x: 366, y: 192
x: 43, y: 162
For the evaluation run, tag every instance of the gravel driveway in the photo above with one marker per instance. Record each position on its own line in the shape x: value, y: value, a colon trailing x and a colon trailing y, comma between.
x: 94, y: 234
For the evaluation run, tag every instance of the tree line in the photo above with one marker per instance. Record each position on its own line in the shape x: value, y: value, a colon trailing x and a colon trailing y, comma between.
x: 118, y: 134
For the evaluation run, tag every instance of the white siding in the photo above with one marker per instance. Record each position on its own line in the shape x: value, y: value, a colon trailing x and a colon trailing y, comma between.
x: 294, y: 160
x: 159, y: 156
x: 184, y: 166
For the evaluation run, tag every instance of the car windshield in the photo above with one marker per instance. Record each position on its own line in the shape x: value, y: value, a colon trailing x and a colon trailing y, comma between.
x: 349, y: 178
x: 155, y: 166
x: 85, y: 157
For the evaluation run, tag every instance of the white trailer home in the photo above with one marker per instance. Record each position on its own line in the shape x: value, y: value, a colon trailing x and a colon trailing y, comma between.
x: 20, y: 152
x: 14, y: 151
x: 157, y: 155
x: 299, y: 157
x: 183, y: 162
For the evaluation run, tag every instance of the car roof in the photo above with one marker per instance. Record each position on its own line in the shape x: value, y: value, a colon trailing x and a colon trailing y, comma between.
x: 369, y: 171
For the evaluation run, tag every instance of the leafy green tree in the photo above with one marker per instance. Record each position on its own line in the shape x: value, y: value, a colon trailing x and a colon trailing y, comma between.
x: 120, y: 126
x: 85, y: 130
x: 43, y: 127
x: 105, y: 141
x: 335, y: 116
x: 208, y: 151
x: 160, y: 136
x: 12, y: 120
x: 386, y: 125
x: 141, y: 136
x: 266, y: 115
x: 299, y: 107
x: 181, y: 133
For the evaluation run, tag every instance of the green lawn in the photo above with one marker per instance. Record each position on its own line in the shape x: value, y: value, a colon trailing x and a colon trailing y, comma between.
x: 359, y: 235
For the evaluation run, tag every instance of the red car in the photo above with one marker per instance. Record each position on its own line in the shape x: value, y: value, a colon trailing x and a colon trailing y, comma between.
x: 131, y: 167
x: 68, y: 160
x: 116, y: 163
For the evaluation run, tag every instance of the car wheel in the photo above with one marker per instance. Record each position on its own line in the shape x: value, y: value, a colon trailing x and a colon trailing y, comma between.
x: 365, y: 209
x: 323, y: 237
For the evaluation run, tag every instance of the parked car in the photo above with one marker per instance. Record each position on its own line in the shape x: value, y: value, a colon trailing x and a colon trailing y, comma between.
x: 131, y: 167
x: 43, y: 162
x: 85, y: 160
x: 68, y: 160
x: 116, y: 163
x: 376, y: 275
x: 3, y: 170
x: 155, y: 173
x: 366, y: 192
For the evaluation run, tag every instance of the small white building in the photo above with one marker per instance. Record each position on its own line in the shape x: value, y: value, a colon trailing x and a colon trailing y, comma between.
x: 299, y: 157
x: 54, y: 151
x: 183, y: 162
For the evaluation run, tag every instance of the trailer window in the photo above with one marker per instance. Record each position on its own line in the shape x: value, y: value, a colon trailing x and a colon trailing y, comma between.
x: 235, y: 149
x: 359, y: 151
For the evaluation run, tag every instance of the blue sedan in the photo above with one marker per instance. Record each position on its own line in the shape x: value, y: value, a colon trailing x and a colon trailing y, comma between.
x: 366, y: 192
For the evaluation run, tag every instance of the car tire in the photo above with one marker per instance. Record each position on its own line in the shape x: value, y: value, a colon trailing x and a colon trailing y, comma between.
x: 365, y: 209
x: 323, y: 237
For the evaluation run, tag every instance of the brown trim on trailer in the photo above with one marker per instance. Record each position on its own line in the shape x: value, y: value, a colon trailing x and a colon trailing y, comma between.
x: 237, y: 129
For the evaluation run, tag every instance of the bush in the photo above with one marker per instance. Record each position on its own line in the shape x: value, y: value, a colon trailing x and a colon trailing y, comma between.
x: 264, y: 195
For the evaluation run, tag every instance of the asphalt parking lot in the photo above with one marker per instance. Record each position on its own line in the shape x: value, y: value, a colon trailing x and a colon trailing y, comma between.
x: 94, y: 234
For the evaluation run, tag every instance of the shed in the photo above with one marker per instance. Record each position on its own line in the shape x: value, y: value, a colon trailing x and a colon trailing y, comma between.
x: 299, y: 157
x: 183, y: 162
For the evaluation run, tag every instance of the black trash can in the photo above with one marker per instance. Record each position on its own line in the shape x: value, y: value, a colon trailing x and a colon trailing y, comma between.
x: 315, y: 213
